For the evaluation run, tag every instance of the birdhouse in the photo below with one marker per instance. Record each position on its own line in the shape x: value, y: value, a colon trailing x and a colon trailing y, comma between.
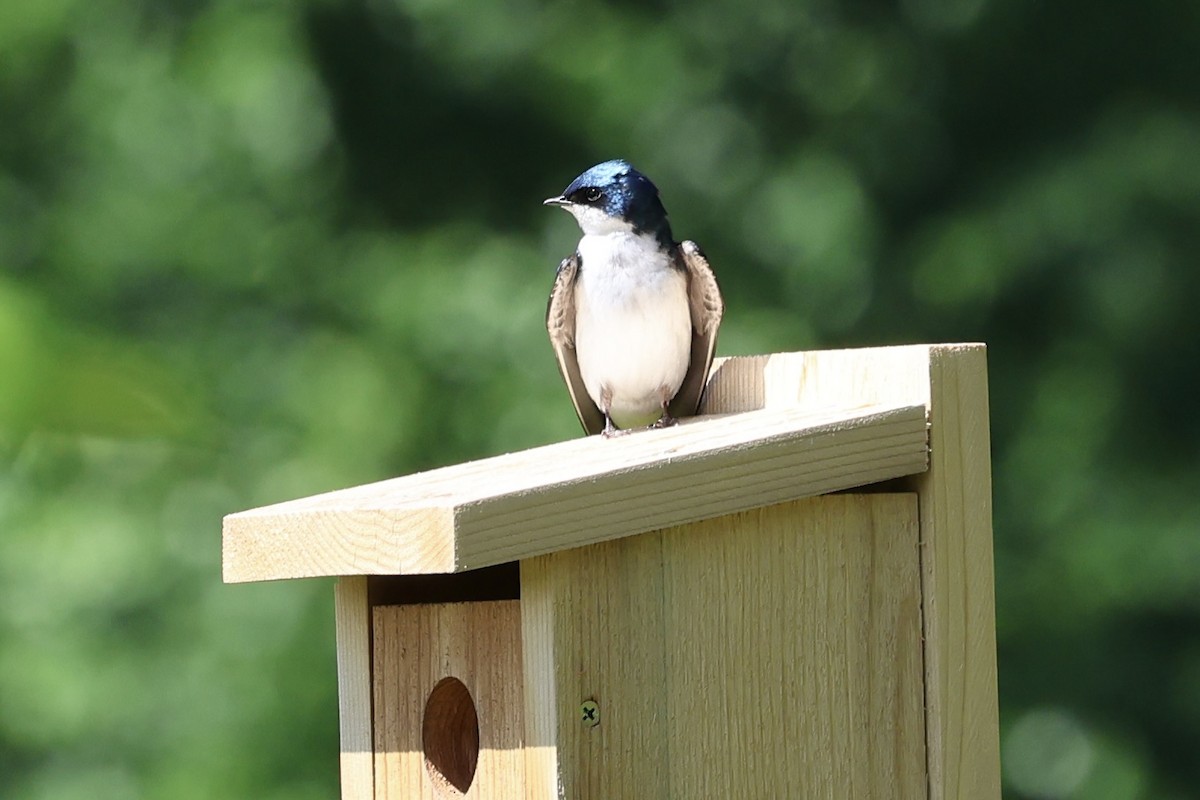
x: 788, y: 596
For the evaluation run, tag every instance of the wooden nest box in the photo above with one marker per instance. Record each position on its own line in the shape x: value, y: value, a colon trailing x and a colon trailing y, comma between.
x: 788, y: 597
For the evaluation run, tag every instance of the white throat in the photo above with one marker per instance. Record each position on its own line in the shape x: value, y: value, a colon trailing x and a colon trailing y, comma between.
x: 594, y: 222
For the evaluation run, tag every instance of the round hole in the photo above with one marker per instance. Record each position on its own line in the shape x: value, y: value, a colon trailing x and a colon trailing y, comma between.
x: 450, y: 736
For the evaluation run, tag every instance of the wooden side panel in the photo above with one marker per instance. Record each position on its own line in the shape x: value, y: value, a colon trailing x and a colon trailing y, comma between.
x: 593, y: 631
x: 772, y: 653
x: 957, y: 566
x: 352, y: 615
x: 416, y: 646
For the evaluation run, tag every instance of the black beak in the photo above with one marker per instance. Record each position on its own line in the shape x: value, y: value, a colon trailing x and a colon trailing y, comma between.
x: 556, y: 201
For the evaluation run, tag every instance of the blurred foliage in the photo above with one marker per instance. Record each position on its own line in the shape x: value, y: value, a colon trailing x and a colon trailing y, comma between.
x: 253, y: 251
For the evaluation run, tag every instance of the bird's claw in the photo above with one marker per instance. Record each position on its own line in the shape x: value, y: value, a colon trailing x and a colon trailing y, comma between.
x: 665, y: 421
x: 611, y: 431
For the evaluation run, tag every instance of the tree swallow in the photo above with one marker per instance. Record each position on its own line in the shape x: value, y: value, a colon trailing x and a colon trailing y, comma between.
x: 633, y: 315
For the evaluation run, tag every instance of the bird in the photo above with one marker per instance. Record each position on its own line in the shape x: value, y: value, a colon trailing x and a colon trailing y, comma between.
x: 633, y: 315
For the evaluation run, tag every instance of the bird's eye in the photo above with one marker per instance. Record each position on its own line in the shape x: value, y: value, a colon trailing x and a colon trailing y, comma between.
x: 592, y: 194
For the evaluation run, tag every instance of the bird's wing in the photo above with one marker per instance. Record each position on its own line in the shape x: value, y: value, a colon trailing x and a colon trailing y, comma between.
x: 560, y: 324
x: 706, y: 305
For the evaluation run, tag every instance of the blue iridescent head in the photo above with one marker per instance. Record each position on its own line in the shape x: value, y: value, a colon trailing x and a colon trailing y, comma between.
x: 612, y: 197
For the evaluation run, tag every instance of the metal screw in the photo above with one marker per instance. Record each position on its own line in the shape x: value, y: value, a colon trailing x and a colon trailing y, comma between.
x: 589, y: 713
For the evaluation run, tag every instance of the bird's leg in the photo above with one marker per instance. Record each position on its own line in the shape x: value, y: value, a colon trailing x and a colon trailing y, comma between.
x: 610, y: 430
x: 666, y: 420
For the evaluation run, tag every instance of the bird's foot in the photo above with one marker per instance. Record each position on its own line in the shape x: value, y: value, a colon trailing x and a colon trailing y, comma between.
x: 611, y: 431
x: 665, y: 421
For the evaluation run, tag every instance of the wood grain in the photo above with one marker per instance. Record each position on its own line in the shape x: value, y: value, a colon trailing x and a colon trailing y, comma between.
x: 957, y: 566
x: 770, y: 653
x: 592, y: 627
x: 415, y: 647
x: 352, y: 617
x: 956, y: 524
x: 576, y: 493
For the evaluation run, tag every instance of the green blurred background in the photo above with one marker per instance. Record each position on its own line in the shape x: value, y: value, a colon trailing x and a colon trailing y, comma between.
x: 253, y: 251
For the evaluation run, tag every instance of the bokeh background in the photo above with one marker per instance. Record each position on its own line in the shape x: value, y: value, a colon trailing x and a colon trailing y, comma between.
x: 253, y: 251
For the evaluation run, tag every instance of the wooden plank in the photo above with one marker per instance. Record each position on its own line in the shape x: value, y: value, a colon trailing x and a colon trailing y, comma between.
x: 576, y: 493
x: 957, y: 565
x: 865, y: 376
x: 416, y: 646
x: 352, y: 616
x: 794, y: 652
x: 771, y: 653
x: 540, y: 665
x: 593, y: 630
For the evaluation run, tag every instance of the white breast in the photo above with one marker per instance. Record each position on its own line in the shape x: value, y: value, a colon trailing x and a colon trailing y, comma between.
x: 633, y: 329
